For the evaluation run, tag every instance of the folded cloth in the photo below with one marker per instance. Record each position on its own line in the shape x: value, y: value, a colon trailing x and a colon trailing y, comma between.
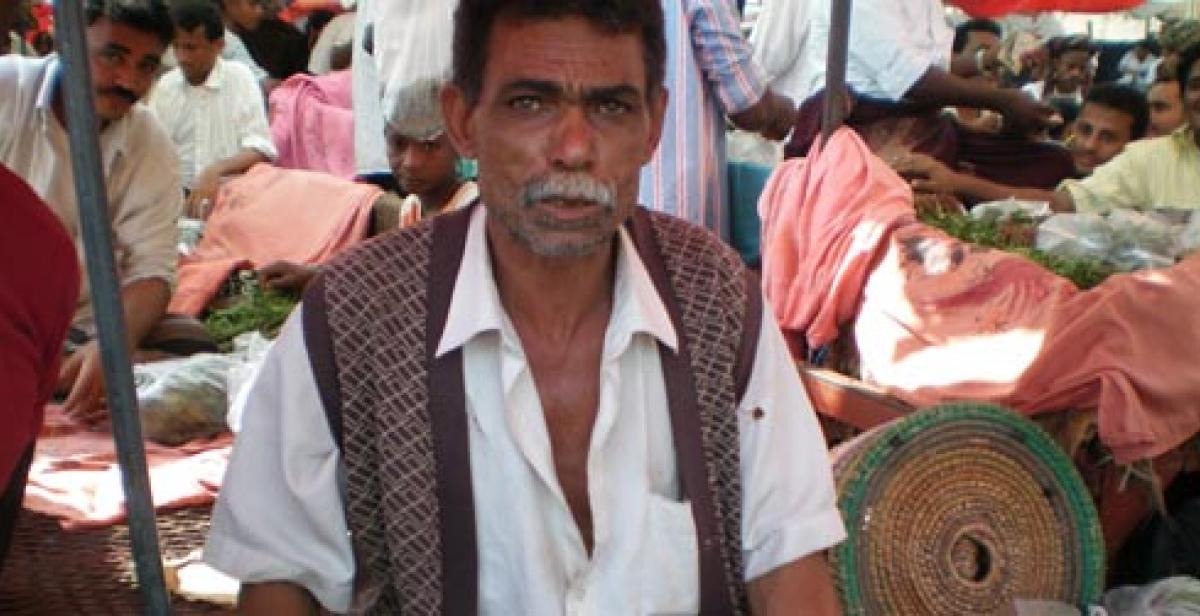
x: 312, y: 123
x: 936, y: 319
x: 1000, y: 8
x: 271, y: 214
x: 75, y: 476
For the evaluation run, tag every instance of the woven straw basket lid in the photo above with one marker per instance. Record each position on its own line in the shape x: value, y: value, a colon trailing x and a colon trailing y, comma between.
x: 960, y: 509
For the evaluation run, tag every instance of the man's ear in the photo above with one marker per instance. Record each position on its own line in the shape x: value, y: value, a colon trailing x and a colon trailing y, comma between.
x: 657, y: 106
x: 457, y: 111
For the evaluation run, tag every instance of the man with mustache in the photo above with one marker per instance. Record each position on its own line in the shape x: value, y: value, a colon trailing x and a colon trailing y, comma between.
x: 125, y: 41
x: 553, y: 401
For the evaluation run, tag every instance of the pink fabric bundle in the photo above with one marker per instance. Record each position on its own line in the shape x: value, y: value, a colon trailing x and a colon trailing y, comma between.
x: 75, y: 477
x: 312, y: 123
x: 999, y: 8
x: 272, y: 214
x: 936, y: 319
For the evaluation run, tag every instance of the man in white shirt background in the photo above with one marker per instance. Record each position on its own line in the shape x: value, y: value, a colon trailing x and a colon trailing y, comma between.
x: 211, y: 107
x: 125, y: 40
x: 570, y: 322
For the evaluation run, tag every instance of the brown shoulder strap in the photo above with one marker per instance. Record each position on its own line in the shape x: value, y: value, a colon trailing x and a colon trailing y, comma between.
x: 448, y: 417
x: 319, y: 343
x: 685, y: 429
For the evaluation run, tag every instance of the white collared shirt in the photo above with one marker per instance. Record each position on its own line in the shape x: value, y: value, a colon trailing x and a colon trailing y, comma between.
x: 892, y: 44
x: 280, y: 516
x: 214, y: 120
x: 141, y: 173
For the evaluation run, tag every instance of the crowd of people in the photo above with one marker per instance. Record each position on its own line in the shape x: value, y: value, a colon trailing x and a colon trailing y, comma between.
x: 570, y: 399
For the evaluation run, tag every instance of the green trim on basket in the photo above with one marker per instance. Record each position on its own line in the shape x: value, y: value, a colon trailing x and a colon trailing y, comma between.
x: 871, y: 456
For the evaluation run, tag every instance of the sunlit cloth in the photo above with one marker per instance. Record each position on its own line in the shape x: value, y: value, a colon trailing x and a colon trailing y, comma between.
x: 271, y: 214
x: 75, y: 476
x: 312, y: 123
x: 998, y: 8
x: 937, y: 319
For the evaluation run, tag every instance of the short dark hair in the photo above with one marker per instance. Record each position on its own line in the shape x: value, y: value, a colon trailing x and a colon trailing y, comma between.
x: 974, y: 25
x: 149, y: 16
x: 187, y: 15
x: 1126, y: 100
x: 474, y: 21
x: 1060, y: 45
x: 1186, y: 61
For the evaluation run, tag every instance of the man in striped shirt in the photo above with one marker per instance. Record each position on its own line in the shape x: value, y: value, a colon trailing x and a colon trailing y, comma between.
x: 710, y: 75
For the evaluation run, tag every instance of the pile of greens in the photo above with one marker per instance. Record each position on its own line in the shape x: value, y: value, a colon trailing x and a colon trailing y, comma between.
x: 252, y: 309
x: 1016, y: 236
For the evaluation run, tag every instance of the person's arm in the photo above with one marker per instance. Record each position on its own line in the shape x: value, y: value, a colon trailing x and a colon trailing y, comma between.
x: 203, y: 190
x: 932, y: 176
x: 735, y: 79
x: 1021, y: 113
x: 276, y: 599
x: 144, y: 303
x: 803, y: 586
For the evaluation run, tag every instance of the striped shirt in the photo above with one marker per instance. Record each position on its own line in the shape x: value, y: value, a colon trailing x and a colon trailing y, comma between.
x: 709, y: 74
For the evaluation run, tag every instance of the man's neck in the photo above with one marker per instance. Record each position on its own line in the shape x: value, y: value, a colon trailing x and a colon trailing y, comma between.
x: 549, y: 297
x: 438, y: 199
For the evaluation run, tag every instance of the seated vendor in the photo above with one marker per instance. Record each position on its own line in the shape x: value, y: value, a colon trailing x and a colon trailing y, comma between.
x: 1110, y: 118
x: 125, y: 43
x: 901, y: 75
x: 425, y: 165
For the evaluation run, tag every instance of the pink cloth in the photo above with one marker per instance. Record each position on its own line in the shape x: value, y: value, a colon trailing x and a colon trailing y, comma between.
x: 812, y: 245
x: 940, y: 320
x: 272, y: 214
x: 312, y: 123
x: 75, y: 476
x: 1000, y: 8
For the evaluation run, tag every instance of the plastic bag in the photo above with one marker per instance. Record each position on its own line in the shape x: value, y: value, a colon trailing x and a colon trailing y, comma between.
x: 1140, y: 241
x: 1010, y: 208
x: 747, y: 147
x: 1080, y: 236
x: 183, y: 399
x: 1174, y: 596
x: 1188, y: 239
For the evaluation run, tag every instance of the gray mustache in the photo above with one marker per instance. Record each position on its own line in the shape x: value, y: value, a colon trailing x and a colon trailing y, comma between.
x: 568, y: 187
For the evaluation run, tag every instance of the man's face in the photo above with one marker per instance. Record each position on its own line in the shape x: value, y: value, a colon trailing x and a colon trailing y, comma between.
x: 196, y: 54
x: 1100, y: 133
x: 124, y: 63
x: 980, y: 39
x: 246, y: 14
x: 1166, y: 108
x: 421, y: 166
x: 1071, y: 69
x: 1191, y: 99
x: 562, y: 128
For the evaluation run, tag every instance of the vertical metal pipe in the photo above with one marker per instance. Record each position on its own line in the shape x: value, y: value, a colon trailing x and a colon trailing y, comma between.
x: 106, y: 300
x: 835, y: 67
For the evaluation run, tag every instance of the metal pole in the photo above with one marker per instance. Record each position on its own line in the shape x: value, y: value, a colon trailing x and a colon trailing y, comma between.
x: 106, y: 300
x: 835, y: 67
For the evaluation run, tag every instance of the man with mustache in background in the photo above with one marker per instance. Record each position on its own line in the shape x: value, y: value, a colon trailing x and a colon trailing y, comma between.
x: 551, y: 402
x: 125, y: 40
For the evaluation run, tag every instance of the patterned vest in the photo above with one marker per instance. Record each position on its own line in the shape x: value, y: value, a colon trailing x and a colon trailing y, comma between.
x: 372, y: 323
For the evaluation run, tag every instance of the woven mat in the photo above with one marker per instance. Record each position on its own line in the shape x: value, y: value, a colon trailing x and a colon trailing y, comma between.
x: 55, y: 572
x: 960, y: 509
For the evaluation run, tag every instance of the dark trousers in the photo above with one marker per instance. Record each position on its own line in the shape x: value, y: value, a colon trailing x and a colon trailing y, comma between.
x: 10, y: 502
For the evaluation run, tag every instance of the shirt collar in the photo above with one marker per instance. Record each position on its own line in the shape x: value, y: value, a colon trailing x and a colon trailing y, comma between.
x: 475, y: 306
x: 216, y: 77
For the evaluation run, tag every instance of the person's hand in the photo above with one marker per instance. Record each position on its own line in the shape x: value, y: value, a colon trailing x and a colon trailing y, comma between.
x: 82, y: 379
x: 286, y: 276
x: 926, y: 174
x: 1025, y: 116
x: 203, y: 194
x: 773, y: 116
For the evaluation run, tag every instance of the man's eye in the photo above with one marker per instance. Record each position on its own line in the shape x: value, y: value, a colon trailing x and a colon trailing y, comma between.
x: 612, y: 107
x: 528, y: 104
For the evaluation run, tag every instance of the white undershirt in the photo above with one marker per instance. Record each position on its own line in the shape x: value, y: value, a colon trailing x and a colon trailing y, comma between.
x: 280, y: 515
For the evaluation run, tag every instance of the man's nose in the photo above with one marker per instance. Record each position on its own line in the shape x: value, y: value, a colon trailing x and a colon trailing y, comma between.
x: 574, y: 139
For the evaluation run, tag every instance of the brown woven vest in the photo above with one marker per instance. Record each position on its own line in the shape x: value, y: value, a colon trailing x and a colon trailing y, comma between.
x: 372, y: 323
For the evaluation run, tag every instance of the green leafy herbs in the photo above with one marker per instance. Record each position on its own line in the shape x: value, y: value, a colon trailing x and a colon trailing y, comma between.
x: 252, y: 309
x: 1016, y: 235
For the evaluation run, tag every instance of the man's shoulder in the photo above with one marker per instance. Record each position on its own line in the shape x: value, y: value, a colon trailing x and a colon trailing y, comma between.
x: 237, y: 71
x: 380, y: 264
x: 21, y: 79
x: 691, y: 241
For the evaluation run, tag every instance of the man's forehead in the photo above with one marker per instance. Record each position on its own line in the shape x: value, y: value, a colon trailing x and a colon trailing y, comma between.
x: 128, y: 38
x: 569, y: 51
